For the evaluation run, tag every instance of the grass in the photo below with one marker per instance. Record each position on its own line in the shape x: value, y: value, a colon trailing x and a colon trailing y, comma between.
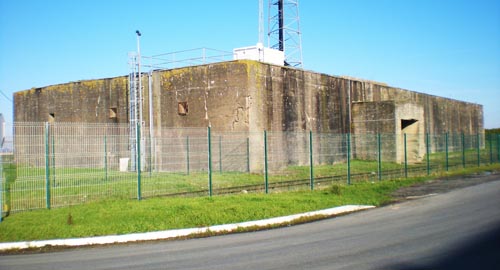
x: 122, y: 216
x: 129, y: 216
x: 72, y: 186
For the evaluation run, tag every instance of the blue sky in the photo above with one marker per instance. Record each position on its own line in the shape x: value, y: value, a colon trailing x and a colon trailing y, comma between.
x: 449, y: 48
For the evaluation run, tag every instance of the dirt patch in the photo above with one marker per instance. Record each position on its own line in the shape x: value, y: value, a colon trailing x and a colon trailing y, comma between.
x: 442, y: 185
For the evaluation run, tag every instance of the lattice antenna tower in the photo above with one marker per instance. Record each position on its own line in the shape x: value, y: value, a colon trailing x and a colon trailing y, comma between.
x: 284, y: 30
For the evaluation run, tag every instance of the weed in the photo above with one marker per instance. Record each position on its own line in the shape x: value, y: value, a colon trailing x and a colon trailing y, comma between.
x: 335, y: 189
x: 69, y: 220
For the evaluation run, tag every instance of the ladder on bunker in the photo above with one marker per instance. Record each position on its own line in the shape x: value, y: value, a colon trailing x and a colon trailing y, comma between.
x: 135, y: 109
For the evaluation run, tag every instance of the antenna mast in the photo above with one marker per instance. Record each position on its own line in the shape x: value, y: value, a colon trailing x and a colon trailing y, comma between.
x: 261, y: 21
x: 284, y: 30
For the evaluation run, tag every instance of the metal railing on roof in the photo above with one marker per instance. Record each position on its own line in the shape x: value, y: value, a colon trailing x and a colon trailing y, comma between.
x: 184, y: 58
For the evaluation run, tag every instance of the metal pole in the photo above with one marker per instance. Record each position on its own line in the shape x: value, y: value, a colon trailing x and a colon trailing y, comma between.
x: 261, y: 22
x: 139, y: 73
x: 187, y: 154
x: 406, y: 157
x: 139, y: 91
x: 47, y: 167
x: 447, y: 153
x: 266, y: 179
x: 151, y: 125
x: 138, y: 161
x: 463, y: 150
x: 1, y: 189
x: 348, y: 158
x: 311, y: 167
x: 478, y: 150
x: 490, y: 139
x: 105, y: 158
x: 150, y: 154
x: 379, y: 160
x: 428, y: 153
x: 248, y: 155
x: 220, y: 154
x: 498, y: 148
x: 53, y: 162
x: 209, y: 162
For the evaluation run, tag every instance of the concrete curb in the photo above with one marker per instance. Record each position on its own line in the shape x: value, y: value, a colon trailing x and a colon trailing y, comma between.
x: 162, y: 235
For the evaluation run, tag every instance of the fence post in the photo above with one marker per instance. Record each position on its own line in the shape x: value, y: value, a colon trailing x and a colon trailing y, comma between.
x: 478, y: 150
x: 427, y: 153
x: 446, y: 151
x: 105, y: 158
x: 266, y: 179
x: 379, y: 159
x: 1, y: 189
x: 150, y: 152
x: 311, y: 168
x: 138, y: 161
x: 490, y: 139
x: 498, y: 148
x: 150, y: 156
x: 47, y: 167
x: 220, y: 154
x: 348, y: 158
x: 248, y: 155
x: 209, y: 162
x: 406, y: 157
x: 187, y: 154
x: 463, y: 150
x: 53, y: 161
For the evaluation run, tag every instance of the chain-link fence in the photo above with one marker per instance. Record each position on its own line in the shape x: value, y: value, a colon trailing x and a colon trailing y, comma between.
x: 46, y: 165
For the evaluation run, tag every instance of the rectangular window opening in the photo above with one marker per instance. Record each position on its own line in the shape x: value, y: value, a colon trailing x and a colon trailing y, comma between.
x: 182, y: 108
x: 52, y: 117
x: 112, y: 113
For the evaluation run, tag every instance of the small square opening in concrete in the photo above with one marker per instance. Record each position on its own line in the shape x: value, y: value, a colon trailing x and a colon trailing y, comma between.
x: 112, y: 112
x: 52, y: 117
x: 182, y: 108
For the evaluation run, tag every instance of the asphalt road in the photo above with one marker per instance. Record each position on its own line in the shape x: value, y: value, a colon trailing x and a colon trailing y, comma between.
x: 459, y: 229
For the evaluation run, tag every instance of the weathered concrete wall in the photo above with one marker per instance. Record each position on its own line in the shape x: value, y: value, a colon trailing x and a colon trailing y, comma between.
x: 83, y: 101
x: 241, y: 96
x: 289, y: 99
x: 215, y: 95
x: 441, y: 114
x: 373, y: 117
x: 368, y: 120
x: 249, y: 96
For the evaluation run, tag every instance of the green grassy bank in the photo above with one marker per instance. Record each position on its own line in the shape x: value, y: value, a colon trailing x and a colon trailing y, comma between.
x: 122, y: 216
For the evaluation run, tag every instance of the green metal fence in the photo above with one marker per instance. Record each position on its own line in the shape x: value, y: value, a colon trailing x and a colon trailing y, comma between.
x: 61, y: 164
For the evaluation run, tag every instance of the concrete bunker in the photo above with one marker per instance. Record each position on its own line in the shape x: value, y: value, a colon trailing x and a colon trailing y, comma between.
x: 249, y: 96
